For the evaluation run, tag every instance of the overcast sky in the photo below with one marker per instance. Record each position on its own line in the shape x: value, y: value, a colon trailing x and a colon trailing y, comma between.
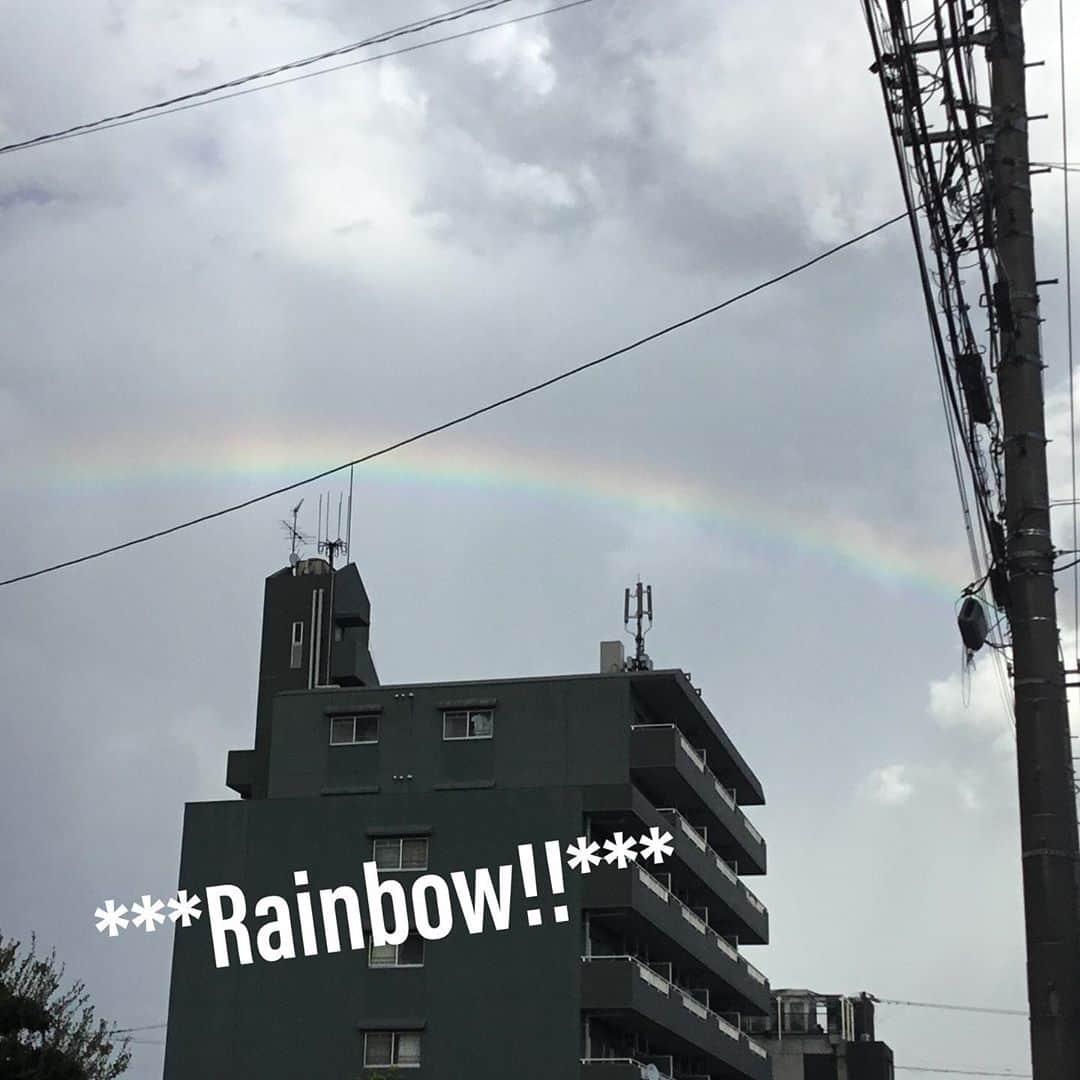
x: 208, y: 305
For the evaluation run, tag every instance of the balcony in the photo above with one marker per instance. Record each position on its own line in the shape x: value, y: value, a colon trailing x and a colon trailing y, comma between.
x: 747, y: 909
x: 671, y: 698
x: 672, y: 772
x: 629, y: 1068
x: 669, y: 1016
x: 648, y: 912
x: 734, y: 909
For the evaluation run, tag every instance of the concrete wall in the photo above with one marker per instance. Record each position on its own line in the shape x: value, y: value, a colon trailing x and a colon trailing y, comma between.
x: 547, y: 732
x: 482, y: 999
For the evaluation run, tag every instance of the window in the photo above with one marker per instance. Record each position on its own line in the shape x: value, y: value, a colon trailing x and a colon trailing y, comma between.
x: 401, y: 1048
x: 410, y: 953
x: 469, y: 724
x: 350, y: 730
x: 296, y: 655
x: 401, y: 853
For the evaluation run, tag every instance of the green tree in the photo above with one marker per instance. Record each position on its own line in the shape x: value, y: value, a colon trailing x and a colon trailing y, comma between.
x: 48, y: 1032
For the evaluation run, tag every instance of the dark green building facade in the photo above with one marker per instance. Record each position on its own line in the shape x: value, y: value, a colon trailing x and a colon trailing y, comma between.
x: 647, y: 970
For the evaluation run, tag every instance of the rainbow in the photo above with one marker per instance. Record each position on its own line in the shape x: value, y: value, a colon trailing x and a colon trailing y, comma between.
x: 758, y: 517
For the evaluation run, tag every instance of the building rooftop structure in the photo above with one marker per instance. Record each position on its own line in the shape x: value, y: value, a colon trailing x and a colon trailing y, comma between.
x: 812, y: 1036
x: 623, y: 969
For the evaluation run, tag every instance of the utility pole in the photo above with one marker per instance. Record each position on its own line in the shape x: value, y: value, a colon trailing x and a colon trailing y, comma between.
x: 1048, y: 823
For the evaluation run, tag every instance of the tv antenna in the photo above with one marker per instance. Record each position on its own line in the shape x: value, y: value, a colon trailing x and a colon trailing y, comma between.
x: 297, y: 538
x: 642, y: 596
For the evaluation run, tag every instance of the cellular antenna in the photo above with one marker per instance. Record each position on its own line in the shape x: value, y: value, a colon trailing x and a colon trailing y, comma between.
x: 642, y: 613
x: 332, y: 548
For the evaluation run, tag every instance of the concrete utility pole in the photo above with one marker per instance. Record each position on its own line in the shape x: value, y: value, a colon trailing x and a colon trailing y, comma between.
x: 1048, y: 825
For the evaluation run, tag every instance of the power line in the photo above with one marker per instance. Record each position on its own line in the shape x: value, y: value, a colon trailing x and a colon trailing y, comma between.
x: 151, y: 112
x: 377, y: 39
x: 955, y: 1008
x: 463, y: 418
x: 1056, y: 165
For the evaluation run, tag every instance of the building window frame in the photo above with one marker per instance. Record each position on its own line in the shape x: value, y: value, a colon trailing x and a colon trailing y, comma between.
x: 399, y: 864
x: 409, y: 945
x: 468, y: 724
x: 395, y: 1047
x: 342, y: 735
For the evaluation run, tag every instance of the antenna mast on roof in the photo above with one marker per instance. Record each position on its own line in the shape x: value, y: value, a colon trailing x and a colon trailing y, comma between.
x: 642, y: 611
x: 348, y: 519
x: 332, y: 548
x: 296, y: 537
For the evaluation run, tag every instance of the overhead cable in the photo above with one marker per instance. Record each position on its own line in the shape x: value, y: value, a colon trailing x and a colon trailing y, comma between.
x: 465, y: 417
x: 108, y: 125
x: 956, y: 1008
x: 292, y: 65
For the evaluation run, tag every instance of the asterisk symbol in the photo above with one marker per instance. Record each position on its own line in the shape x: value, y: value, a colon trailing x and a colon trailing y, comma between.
x: 185, y: 908
x: 656, y: 845
x: 619, y: 851
x: 583, y: 854
x: 111, y: 918
x: 148, y: 914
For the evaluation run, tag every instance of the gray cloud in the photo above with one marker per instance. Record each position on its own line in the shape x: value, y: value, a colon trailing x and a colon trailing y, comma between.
x: 206, y: 305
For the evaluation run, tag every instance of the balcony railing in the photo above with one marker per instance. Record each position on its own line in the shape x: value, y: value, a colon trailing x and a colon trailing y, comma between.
x: 632, y: 1062
x: 755, y: 903
x: 670, y: 989
x: 722, y: 864
x: 752, y: 831
x: 727, y: 948
x: 691, y: 916
x: 727, y: 1027
x: 754, y: 973
x: 698, y: 761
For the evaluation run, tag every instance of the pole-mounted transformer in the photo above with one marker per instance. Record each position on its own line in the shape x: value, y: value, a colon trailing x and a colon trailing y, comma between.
x: 972, y: 622
x: 969, y: 366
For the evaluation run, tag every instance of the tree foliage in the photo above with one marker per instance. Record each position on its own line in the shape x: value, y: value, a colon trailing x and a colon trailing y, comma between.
x: 48, y: 1032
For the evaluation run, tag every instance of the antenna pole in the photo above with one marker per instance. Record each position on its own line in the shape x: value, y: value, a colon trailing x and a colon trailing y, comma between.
x: 639, y: 637
x: 295, y: 530
x: 348, y: 522
x: 296, y: 537
x: 332, y: 547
